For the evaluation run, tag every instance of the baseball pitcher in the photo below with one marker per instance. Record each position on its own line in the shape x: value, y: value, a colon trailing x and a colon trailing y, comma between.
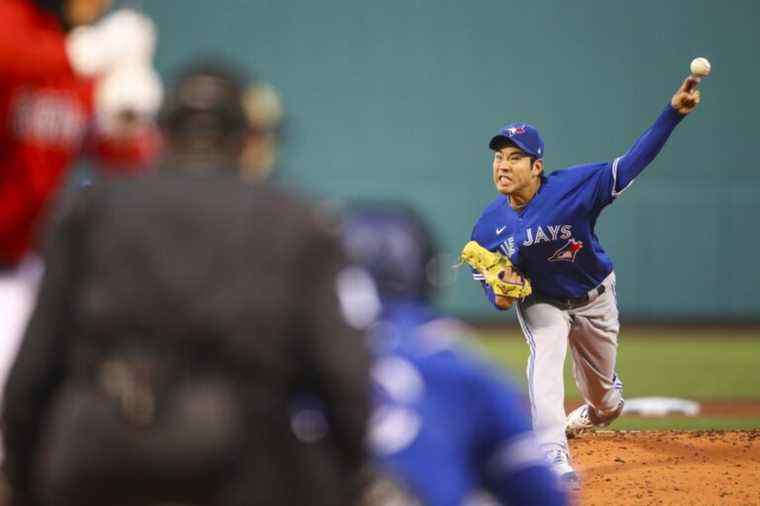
x: 535, y: 247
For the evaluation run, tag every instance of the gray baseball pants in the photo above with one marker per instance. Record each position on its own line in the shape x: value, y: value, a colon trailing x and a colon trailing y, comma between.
x: 591, y: 331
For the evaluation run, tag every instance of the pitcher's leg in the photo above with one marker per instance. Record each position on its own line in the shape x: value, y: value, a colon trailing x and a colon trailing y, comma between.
x: 594, y: 343
x: 546, y: 331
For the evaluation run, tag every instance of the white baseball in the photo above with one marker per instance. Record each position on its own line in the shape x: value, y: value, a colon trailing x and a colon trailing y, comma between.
x: 700, y: 67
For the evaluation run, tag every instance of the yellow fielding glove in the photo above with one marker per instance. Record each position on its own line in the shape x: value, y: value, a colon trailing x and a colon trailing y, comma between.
x: 497, y: 270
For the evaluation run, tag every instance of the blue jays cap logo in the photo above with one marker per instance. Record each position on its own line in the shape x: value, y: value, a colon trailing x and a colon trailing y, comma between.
x: 525, y: 136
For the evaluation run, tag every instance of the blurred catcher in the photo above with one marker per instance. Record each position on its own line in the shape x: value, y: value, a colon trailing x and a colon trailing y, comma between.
x: 447, y: 428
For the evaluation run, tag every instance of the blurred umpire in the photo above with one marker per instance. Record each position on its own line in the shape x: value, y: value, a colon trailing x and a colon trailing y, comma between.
x: 180, y: 315
x: 192, y: 128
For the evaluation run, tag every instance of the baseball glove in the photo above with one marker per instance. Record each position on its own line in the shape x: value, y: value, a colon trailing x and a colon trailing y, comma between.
x: 498, y: 271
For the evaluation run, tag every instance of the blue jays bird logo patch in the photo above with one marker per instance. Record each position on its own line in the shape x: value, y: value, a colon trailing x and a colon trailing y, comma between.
x: 567, y: 252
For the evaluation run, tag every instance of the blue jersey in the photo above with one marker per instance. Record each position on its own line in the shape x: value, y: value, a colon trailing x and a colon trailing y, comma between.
x: 446, y: 425
x: 552, y: 239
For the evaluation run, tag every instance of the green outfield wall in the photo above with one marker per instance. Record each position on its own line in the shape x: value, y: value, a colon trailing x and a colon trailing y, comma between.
x: 398, y: 98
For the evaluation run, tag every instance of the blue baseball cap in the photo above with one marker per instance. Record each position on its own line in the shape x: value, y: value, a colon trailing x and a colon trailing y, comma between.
x: 523, y: 135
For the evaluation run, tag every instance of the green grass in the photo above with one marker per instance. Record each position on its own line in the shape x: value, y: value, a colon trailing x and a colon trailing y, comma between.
x: 702, y: 365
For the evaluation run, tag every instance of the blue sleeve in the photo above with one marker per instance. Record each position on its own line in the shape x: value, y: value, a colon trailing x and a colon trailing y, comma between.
x: 514, y: 469
x: 604, y: 182
x: 625, y: 168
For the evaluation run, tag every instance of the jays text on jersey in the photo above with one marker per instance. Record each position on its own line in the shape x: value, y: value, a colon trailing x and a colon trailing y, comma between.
x: 552, y: 240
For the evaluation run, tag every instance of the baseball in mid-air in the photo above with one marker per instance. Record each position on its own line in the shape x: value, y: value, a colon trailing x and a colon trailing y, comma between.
x: 700, y: 67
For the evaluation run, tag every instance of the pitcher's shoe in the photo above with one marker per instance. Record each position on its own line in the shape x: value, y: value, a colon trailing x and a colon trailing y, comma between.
x: 559, y: 460
x: 584, y: 419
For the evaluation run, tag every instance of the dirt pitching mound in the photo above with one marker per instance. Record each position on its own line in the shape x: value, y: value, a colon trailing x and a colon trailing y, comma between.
x: 668, y: 468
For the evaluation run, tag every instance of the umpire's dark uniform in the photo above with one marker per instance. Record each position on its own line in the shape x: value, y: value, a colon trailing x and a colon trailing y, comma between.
x: 178, y: 318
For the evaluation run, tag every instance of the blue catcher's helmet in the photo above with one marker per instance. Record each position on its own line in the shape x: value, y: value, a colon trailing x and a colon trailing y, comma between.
x: 396, y: 247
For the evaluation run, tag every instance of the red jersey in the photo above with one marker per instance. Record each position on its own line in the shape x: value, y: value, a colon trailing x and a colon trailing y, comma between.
x: 45, y: 114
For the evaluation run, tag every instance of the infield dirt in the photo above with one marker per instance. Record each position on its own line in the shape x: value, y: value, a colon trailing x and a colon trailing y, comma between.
x: 668, y: 468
